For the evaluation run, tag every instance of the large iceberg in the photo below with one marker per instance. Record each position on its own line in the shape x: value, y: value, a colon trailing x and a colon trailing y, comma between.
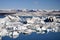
x: 14, y: 25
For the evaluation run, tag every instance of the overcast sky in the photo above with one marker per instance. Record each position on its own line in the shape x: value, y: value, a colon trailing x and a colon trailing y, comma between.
x: 30, y: 4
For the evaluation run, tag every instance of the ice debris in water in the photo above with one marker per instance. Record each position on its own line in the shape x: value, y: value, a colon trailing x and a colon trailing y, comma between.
x: 14, y: 25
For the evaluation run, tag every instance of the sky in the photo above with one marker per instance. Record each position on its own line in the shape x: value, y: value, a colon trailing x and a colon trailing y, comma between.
x: 30, y: 4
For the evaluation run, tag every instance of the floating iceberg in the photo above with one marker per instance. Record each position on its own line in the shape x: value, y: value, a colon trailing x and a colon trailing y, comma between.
x: 14, y: 25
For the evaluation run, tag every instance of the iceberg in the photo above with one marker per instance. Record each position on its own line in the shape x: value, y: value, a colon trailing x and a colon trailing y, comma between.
x: 12, y: 25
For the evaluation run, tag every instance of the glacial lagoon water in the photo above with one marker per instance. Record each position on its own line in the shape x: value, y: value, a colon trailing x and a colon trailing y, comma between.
x: 35, y: 36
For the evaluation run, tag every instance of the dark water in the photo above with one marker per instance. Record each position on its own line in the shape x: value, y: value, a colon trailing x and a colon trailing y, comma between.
x: 34, y: 36
x: 1, y: 16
